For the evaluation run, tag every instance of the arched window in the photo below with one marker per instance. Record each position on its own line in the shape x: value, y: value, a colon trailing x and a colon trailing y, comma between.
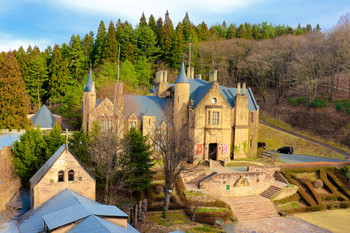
x: 60, y: 176
x: 71, y: 175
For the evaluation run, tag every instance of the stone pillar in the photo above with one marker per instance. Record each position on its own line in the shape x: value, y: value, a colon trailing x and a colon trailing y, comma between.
x: 238, y: 88
x: 198, y: 76
x: 213, y: 76
x: 243, y: 88
x: 192, y: 72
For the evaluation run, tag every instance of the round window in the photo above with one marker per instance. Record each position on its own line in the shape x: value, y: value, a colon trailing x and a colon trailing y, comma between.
x: 214, y: 100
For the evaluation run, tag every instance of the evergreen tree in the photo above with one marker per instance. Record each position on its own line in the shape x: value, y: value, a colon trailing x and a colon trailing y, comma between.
x: 124, y: 38
x: 152, y: 23
x: 99, y: 43
x: 129, y: 53
x: 166, y: 37
x: 159, y: 31
x: 78, y: 145
x: 29, y: 154
x: 240, y: 32
x: 299, y: 30
x: 187, y: 27
x: 77, y: 58
x: 110, y: 51
x: 53, y: 140
x: 144, y: 72
x: 231, y: 32
x: 13, y: 101
x: 146, y: 42
x: 143, y: 21
x: 256, y: 32
x: 88, y: 46
x: 202, y: 32
x: 248, y: 34
x: 128, y: 74
x: 317, y: 28
x: 59, y: 76
x: 177, y: 47
x: 139, y: 152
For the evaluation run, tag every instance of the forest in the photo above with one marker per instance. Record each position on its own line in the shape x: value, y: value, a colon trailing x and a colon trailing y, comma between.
x: 269, y: 58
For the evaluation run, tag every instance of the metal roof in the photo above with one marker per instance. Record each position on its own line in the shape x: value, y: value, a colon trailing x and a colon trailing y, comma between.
x: 182, y: 78
x: 67, y: 207
x: 88, y: 85
x: 97, y: 224
x: 43, y: 118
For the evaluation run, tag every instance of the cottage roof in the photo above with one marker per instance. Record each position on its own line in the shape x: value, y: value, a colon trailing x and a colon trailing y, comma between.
x: 43, y: 118
x: 64, y: 208
x: 44, y: 169
x: 182, y: 78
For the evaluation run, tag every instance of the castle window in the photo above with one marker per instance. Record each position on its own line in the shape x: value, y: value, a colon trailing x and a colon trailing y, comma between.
x: 251, y: 117
x: 60, y: 176
x: 106, y: 125
x: 209, y: 118
x: 215, y: 118
x: 132, y: 125
x: 71, y: 175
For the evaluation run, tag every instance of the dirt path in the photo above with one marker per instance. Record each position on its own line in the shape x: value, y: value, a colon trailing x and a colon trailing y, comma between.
x: 302, y: 137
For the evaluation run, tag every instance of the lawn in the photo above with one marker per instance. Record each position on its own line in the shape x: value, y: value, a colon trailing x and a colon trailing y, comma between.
x: 275, y: 139
x: 336, y: 221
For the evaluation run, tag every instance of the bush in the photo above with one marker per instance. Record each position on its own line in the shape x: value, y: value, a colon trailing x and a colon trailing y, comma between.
x: 323, y: 175
x: 339, y: 107
x: 209, y: 215
x: 294, y: 197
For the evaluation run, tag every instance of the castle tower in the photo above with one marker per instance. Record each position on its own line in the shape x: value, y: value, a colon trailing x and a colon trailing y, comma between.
x: 161, y: 84
x: 181, y: 98
x: 89, y: 100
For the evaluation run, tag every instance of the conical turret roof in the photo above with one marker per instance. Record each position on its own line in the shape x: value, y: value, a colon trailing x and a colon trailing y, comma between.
x: 89, y: 82
x: 182, y: 78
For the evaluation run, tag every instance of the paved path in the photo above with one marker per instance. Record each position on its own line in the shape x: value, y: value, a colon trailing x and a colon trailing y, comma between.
x: 300, y: 136
x: 297, y: 158
x: 275, y: 225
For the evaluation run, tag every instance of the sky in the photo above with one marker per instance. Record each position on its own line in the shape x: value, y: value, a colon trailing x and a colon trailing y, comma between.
x: 49, y: 22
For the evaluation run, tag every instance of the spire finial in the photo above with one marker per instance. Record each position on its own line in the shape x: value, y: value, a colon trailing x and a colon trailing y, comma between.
x: 66, y: 139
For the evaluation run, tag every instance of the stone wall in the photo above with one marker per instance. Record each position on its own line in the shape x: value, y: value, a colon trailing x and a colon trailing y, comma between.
x: 49, y: 186
x: 237, y: 184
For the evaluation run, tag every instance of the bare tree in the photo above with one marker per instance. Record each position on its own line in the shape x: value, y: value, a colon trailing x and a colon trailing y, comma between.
x: 176, y: 149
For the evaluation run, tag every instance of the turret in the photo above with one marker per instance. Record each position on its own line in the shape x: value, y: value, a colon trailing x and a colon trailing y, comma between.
x: 161, y: 84
x: 89, y: 100
x: 181, y: 98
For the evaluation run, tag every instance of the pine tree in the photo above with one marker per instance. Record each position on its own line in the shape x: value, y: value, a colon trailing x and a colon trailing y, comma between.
x: 77, y: 59
x: 13, y: 101
x: 240, y: 32
x: 202, y: 32
x: 177, y: 47
x: 152, y: 23
x: 29, y: 154
x: 139, y: 151
x: 231, y: 32
x: 124, y: 38
x: 143, y: 21
x: 99, y: 43
x: 187, y: 27
x: 110, y: 51
x: 144, y: 72
x: 159, y: 31
x: 256, y: 32
x: 166, y: 38
x: 53, y: 140
x: 129, y: 53
x: 88, y: 46
x: 145, y: 39
x: 59, y: 76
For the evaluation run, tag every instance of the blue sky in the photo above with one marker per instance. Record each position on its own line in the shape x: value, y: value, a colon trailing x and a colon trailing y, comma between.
x: 46, y: 22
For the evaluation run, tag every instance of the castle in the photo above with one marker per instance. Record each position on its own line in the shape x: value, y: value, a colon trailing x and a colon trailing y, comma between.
x: 224, y: 120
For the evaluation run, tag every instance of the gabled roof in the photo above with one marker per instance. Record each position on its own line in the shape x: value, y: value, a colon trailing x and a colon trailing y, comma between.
x: 64, y: 208
x: 96, y: 224
x: 43, y: 170
x: 182, y: 78
x: 43, y: 118
x: 147, y: 106
x: 89, y: 82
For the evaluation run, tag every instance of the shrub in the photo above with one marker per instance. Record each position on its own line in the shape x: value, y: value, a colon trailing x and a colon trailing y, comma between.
x: 338, y: 183
x: 339, y: 107
x: 294, y: 197
x: 323, y: 175
x: 314, y: 193
x: 209, y: 215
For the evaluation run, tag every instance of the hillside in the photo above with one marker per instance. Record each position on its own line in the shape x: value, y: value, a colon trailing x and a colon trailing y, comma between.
x: 324, y: 122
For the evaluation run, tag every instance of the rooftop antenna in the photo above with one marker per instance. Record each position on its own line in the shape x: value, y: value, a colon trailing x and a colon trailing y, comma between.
x: 67, y: 140
x: 118, y: 61
x: 189, y: 59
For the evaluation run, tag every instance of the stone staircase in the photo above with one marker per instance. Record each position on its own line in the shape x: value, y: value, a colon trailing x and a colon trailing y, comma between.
x: 270, y: 192
x: 202, y: 177
x: 251, y: 207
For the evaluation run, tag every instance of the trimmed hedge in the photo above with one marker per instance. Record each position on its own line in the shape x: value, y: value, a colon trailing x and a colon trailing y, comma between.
x: 209, y: 217
x: 338, y: 182
x: 294, y: 197
x: 323, y: 176
x: 314, y: 193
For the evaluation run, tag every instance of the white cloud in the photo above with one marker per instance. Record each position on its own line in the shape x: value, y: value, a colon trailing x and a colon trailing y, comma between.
x: 10, y: 42
x: 132, y: 9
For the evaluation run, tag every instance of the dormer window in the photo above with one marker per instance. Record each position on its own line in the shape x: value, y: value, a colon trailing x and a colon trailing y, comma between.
x: 71, y: 175
x: 60, y: 176
x: 214, y: 100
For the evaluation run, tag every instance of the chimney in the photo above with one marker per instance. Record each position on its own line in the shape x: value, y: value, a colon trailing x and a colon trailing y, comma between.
x: 188, y: 72
x: 165, y: 76
x: 198, y: 76
x: 243, y: 88
x: 158, y: 76
x: 213, y: 76
x: 238, y: 88
x: 192, y: 72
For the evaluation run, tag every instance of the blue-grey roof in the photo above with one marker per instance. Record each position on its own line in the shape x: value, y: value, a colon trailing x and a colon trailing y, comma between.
x: 43, y: 118
x: 182, y: 78
x: 96, y: 224
x: 64, y: 208
x: 9, y: 227
x: 8, y: 139
x: 89, y: 82
x: 147, y: 106
x: 42, y: 171
x: 152, y: 90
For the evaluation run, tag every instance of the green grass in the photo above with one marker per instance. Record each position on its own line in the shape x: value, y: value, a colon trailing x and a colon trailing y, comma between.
x: 205, y: 210
x: 290, y: 205
x: 172, y: 218
x: 205, y: 228
x: 191, y: 192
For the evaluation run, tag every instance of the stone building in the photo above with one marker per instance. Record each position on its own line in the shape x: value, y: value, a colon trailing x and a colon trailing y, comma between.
x: 63, y: 200
x: 223, y: 120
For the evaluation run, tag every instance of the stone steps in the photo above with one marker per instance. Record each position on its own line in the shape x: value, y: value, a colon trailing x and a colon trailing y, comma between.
x: 252, y: 207
x: 270, y: 192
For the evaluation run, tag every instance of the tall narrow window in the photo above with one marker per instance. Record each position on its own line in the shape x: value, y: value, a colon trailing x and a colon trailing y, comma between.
x: 215, y: 118
x: 71, y: 175
x: 208, y: 117
x: 132, y: 125
x: 251, y: 117
x: 60, y: 176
